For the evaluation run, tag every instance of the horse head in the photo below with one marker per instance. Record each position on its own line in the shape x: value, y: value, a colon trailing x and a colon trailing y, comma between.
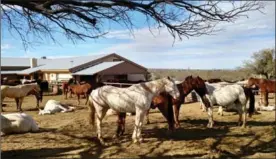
x: 171, y: 88
x: 252, y: 82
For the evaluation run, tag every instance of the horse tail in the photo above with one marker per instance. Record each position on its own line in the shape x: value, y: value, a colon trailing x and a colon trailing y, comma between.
x: 170, y: 110
x: 91, y: 111
x: 249, y: 93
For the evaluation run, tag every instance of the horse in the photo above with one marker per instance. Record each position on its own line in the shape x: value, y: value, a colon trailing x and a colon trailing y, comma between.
x: 43, y: 85
x: 11, y: 82
x: 53, y: 106
x: 210, y: 89
x: 189, y: 84
x: 17, y: 123
x: 136, y: 98
x: 234, y: 96
x: 81, y: 89
x: 265, y: 86
x: 4, y: 89
x: 213, y: 80
x: 20, y: 91
x: 169, y: 107
x: 65, y: 85
x: 164, y: 104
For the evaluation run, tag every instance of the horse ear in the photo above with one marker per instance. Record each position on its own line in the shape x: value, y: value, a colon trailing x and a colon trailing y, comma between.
x: 169, y: 78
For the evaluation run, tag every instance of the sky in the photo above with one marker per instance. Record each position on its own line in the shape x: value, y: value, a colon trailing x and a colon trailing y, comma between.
x: 226, y: 49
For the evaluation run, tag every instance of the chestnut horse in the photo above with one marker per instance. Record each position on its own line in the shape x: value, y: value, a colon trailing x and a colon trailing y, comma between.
x: 65, y: 89
x: 80, y: 89
x: 265, y: 87
x: 165, y: 102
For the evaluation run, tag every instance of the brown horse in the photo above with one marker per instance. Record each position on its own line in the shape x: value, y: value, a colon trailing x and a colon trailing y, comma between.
x: 37, y: 96
x: 165, y: 103
x: 162, y: 102
x: 20, y: 91
x: 65, y: 89
x: 213, y: 80
x: 265, y: 87
x: 84, y: 89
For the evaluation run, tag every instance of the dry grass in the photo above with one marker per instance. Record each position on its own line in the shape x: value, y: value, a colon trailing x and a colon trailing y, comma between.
x: 68, y: 135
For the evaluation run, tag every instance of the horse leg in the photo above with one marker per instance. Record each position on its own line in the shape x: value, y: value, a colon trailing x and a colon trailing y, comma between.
x: 244, y: 115
x: 210, y: 117
x: 99, y: 117
x: 136, y: 136
x: 87, y: 96
x: 120, y: 125
x: 220, y: 111
x: 240, y: 111
x: 176, y: 108
x: 78, y: 95
x: 17, y: 103
x: 147, y: 117
x: 265, y: 98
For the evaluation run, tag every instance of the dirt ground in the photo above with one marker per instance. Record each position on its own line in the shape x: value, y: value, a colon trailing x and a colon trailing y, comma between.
x: 68, y: 135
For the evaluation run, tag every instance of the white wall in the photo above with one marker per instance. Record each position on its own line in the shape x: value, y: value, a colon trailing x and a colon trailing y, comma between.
x: 64, y: 76
x: 136, y: 77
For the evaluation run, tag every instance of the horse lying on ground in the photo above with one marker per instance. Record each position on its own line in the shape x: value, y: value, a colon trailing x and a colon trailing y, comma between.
x: 17, y: 123
x: 234, y: 96
x: 19, y: 92
x: 136, y: 98
x: 53, y: 106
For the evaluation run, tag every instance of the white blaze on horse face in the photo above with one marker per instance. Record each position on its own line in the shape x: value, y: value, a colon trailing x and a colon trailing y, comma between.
x: 172, y: 89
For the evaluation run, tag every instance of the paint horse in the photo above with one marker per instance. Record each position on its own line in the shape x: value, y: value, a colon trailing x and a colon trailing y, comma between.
x: 265, y: 87
x: 136, y: 98
x: 19, y: 92
x: 236, y: 97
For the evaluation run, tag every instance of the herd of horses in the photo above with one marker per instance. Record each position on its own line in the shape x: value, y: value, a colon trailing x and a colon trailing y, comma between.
x: 165, y: 94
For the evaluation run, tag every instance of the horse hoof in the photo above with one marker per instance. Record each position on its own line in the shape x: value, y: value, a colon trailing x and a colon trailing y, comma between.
x: 141, y: 140
x: 135, y: 141
x: 177, y: 126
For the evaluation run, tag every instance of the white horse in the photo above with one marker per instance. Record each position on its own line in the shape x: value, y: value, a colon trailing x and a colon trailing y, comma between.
x: 136, y: 98
x: 234, y: 96
x: 17, y: 123
x: 210, y: 88
x: 4, y: 89
x: 53, y: 106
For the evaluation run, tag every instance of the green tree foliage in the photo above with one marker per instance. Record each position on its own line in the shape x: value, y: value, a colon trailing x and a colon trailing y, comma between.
x: 262, y: 62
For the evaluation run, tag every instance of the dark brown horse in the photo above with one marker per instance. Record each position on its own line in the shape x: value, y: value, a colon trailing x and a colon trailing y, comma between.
x: 65, y: 89
x: 170, y: 107
x: 189, y: 84
x: 43, y: 85
x: 213, y: 80
x: 265, y: 87
x: 37, y: 96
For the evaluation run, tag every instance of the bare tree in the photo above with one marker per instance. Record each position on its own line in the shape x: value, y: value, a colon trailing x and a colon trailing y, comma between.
x: 81, y: 19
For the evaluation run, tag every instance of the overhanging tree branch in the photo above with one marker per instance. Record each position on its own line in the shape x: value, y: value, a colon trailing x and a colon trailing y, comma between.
x: 79, y: 20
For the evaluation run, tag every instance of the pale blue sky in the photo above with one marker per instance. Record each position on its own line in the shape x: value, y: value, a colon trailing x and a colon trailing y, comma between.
x: 225, y: 50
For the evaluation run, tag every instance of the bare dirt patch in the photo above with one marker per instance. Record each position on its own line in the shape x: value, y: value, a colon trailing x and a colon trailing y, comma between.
x: 68, y: 135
